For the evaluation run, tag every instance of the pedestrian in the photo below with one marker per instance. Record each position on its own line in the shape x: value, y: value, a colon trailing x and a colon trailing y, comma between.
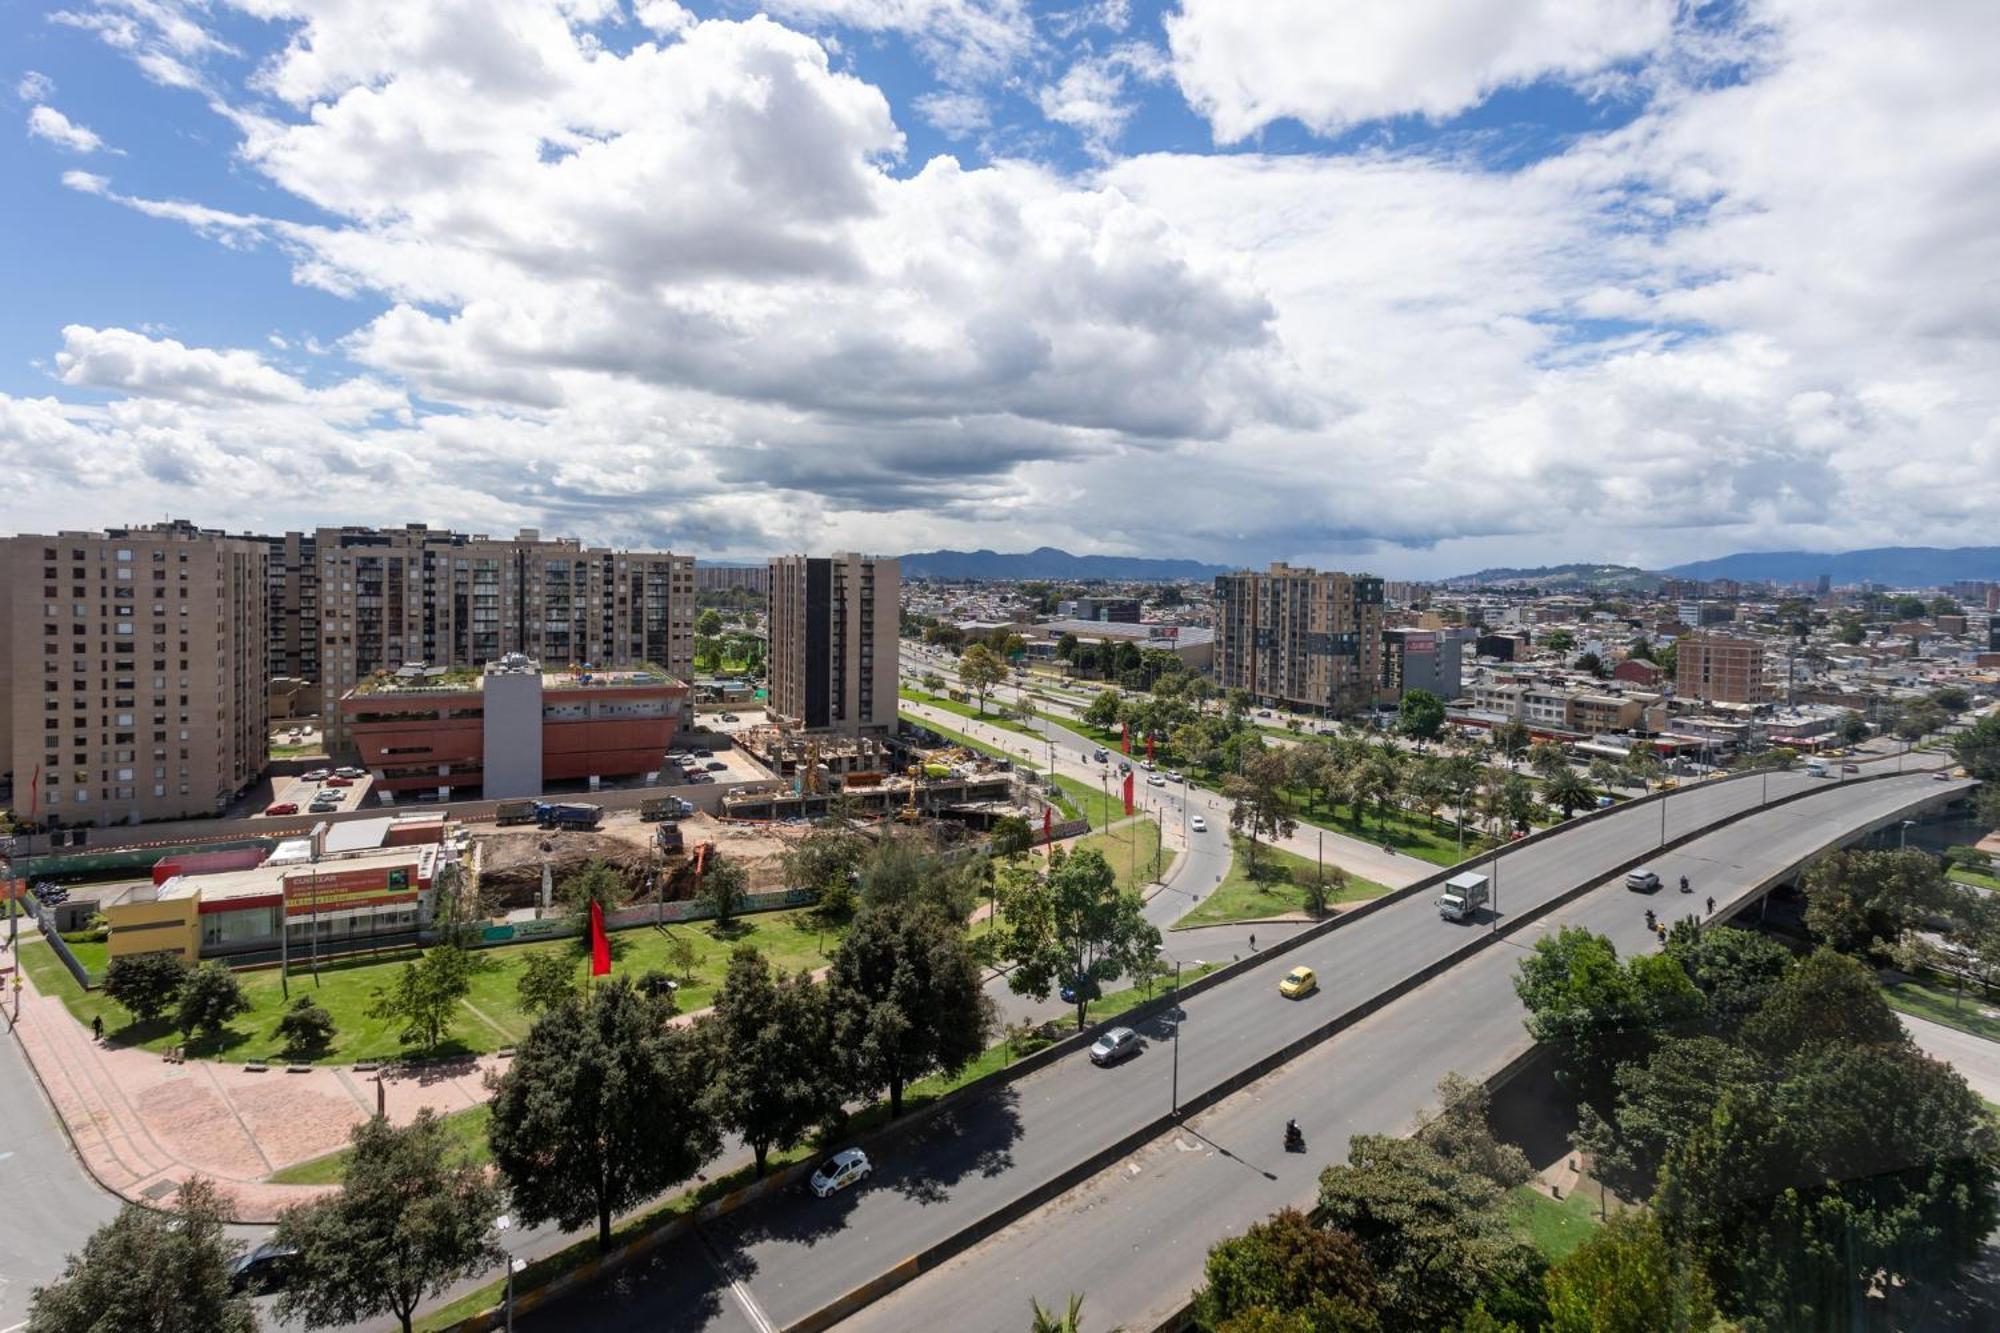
x: 97, y: 1026
x: 1253, y: 941
x: 1711, y: 907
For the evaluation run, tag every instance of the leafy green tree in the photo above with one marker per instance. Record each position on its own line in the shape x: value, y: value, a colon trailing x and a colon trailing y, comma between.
x: 1861, y: 902
x: 210, y: 997
x: 1735, y: 970
x: 1066, y: 647
x: 306, y: 1027
x: 905, y: 993
x: 1824, y: 997
x: 724, y: 887
x: 1073, y: 925
x: 1568, y: 790
x: 1852, y: 729
x: 602, y: 1108
x: 682, y: 955
x: 1102, y: 710
x: 979, y: 670
x: 425, y: 996
x: 903, y: 871
x: 1437, y: 1236
x: 1597, y: 1012
x: 547, y: 980
x: 768, y: 1041
x: 1559, y: 641
x: 1626, y: 1278
x: 1547, y: 758
x: 146, y: 985
x: 148, y: 1271
x: 1420, y: 716
x: 595, y: 881
x: 1593, y: 664
x: 1978, y: 748
x: 1643, y: 766
x: 1511, y: 738
x: 1460, y: 1132
x: 1259, y: 806
x: 1660, y: 1101
x: 412, y: 1218
x: 1951, y: 698
x: 1286, y: 1266
x: 1012, y: 837
x: 1919, y: 720
x: 826, y: 859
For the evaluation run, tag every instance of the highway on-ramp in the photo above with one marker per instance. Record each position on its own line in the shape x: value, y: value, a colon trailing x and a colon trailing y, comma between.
x: 1133, y: 1237
x: 791, y: 1255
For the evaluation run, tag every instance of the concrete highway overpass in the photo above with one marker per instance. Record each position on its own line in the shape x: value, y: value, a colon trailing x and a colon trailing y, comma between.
x: 781, y: 1262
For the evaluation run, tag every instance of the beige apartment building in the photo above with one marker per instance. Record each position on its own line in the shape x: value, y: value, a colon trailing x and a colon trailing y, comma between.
x: 1719, y: 669
x: 834, y: 643
x: 347, y: 602
x: 132, y: 674
x: 1300, y: 638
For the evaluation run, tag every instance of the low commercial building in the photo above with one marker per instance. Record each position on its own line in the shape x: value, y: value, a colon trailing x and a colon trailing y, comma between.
x: 1192, y: 644
x: 512, y: 730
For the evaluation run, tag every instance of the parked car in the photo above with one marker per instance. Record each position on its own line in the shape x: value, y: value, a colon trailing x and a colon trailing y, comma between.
x: 350, y: 772
x: 322, y: 806
x: 1643, y: 881
x: 1086, y: 986
x: 1850, y: 768
x: 731, y: 717
x: 716, y: 766
x: 704, y: 754
x: 262, y: 1269
x: 338, y: 781
x: 282, y: 808
x: 317, y: 775
x: 1298, y: 983
x: 1197, y: 824
x: 1114, y: 1046
x: 1156, y: 781
x: 839, y: 1171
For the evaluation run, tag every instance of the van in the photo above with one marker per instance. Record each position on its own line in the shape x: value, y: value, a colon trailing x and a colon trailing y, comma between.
x: 1816, y: 768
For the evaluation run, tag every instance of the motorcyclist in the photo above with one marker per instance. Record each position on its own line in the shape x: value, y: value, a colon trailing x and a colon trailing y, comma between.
x: 1293, y: 1134
x: 1684, y: 885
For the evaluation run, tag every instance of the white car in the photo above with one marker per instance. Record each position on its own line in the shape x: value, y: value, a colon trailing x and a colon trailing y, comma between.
x: 1156, y: 781
x: 1198, y: 824
x: 839, y: 1171
x: 1643, y: 880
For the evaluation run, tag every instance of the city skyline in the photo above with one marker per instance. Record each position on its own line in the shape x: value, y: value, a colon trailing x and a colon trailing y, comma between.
x: 1526, y: 284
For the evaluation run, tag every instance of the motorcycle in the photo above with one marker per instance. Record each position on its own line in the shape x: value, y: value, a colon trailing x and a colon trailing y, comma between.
x: 1295, y: 1139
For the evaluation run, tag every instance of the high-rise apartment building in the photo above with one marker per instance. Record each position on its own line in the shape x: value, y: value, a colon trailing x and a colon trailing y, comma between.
x: 132, y: 672
x: 833, y: 642
x: 721, y: 578
x: 1300, y: 638
x: 1719, y: 668
x: 353, y: 601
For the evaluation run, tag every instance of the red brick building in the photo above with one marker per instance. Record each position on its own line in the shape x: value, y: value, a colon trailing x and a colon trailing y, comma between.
x: 1638, y: 671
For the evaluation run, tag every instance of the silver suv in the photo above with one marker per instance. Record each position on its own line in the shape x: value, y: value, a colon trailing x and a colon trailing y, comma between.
x: 1643, y: 880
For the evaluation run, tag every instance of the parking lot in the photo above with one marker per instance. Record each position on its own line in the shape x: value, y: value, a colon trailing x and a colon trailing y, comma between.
x: 736, y: 765
x: 313, y: 795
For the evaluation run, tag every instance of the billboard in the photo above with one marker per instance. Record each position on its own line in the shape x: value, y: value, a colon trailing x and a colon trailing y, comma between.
x: 345, y: 890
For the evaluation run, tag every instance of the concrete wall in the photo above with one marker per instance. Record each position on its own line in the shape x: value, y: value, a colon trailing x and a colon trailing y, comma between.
x: 513, y: 725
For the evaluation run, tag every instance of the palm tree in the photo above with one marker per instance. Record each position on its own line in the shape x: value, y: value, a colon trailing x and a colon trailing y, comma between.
x: 1567, y: 790
x: 1070, y: 1321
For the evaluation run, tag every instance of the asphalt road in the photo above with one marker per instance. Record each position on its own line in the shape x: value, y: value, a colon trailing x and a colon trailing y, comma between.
x: 1975, y: 1058
x: 793, y: 1254
x: 48, y: 1206
x: 1133, y: 1237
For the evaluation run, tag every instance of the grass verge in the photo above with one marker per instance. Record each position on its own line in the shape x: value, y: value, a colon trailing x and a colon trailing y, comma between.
x: 1554, y: 1226
x: 1940, y: 1004
x: 467, y: 1130
x: 968, y: 711
x: 1132, y: 849
x: 1240, y: 897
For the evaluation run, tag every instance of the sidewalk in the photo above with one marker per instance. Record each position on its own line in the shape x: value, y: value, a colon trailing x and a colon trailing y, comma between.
x: 142, y: 1125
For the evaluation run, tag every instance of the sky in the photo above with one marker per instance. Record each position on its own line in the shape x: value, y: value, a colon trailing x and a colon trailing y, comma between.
x: 1412, y: 286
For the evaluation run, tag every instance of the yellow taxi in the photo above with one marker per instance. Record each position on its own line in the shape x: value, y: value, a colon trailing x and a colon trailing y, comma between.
x: 1298, y: 983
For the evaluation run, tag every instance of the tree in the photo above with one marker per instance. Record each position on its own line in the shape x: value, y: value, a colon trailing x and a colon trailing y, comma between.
x: 1604, y: 773
x: 723, y: 888
x: 905, y: 993
x: 1547, y: 758
x: 425, y: 995
x: 1593, y: 664
x: 1286, y: 1265
x: 1626, y: 1278
x: 1072, y: 927
x: 1437, y: 1236
x: 1258, y: 803
x: 1559, y: 641
x: 595, y: 881
x: 1660, y: 1101
x: 146, y: 985
x: 682, y: 955
x: 601, y: 1109
x: 708, y: 624
x: 1852, y: 728
x: 1511, y: 738
x: 1827, y: 998
x: 1066, y: 646
x: 1460, y: 1132
x: 903, y: 871
x: 210, y: 997
x: 1861, y: 902
x: 1919, y: 720
x: 768, y: 1040
x: 1596, y: 1012
x: 1978, y: 748
x: 412, y: 1218
x: 1735, y: 970
x: 148, y: 1271
x: 1048, y: 1321
x: 1321, y: 886
x: 1567, y: 790
x: 1420, y: 715
x: 1951, y: 698
x: 1012, y: 837
x: 1102, y: 710
x: 547, y: 981
x: 1643, y: 766
x: 831, y: 854
x: 979, y: 671
x: 306, y: 1027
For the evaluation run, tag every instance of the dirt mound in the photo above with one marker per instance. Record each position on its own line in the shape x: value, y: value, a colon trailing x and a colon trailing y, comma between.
x: 510, y: 873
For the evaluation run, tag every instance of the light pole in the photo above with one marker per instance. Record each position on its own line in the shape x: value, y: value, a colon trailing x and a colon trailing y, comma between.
x: 503, y: 1224
x: 1174, y: 1096
x: 1496, y: 890
x: 1903, y: 840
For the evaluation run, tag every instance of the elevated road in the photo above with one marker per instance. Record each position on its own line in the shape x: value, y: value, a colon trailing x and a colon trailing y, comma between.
x: 1133, y: 1237
x: 790, y: 1256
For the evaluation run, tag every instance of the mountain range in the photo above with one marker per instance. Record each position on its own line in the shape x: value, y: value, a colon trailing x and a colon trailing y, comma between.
x: 1047, y: 562
x: 1897, y: 566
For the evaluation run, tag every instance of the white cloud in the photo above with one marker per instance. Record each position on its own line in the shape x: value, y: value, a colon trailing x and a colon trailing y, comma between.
x: 956, y: 114
x: 964, y: 41
x: 1246, y: 65
x: 35, y: 86
x: 1094, y: 95
x: 47, y: 123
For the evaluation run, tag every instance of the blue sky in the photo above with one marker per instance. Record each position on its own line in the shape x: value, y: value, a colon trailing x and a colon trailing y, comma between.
x: 1421, y: 286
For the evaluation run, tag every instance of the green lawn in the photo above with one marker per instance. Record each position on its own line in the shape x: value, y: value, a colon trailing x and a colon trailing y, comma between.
x: 1241, y: 898
x: 1935, y: 1000
x: 1091, y: 802
x: 1130, y: 848
x: 1414, y: 835
x: 467, y: 1129
x: 1975, y: 878
x: 991, y: 716
x: 489, y: 1017
x: 1556, y: 1227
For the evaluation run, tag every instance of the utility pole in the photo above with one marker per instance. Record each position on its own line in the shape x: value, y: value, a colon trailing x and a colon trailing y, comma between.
x: 1174, y: 1096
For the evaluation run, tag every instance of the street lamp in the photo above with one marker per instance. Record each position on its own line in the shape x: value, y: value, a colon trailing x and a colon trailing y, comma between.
x: 1174, y: 1096
x: 1903, y: 841
x: 503, y: 1224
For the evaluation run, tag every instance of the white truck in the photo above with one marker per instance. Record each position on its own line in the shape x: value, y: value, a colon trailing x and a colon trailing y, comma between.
x: 1463, y: 895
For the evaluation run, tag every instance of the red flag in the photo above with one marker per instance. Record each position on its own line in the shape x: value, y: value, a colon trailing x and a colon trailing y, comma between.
x: 1149, y: 747
x: 1048, y: 825
x: 1125, y: 737
x: 600, y: 943
x: 1128, y: 793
